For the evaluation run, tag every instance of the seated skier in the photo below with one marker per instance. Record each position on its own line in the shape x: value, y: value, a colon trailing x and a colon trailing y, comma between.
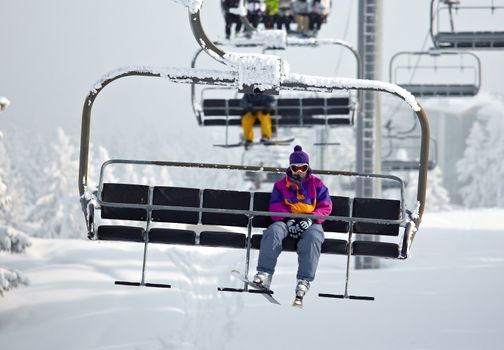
x: 256, y: 106
x: 297, y: 192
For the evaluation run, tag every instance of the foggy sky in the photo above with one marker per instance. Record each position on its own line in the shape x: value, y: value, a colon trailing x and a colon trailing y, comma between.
x: 54, y: 50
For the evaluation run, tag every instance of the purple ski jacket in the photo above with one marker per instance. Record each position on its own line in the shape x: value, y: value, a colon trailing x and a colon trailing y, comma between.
x: 310, y: 196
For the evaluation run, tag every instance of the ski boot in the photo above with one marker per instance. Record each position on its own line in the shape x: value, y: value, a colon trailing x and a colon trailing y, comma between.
x: 265, y: 140
x: 301, y: 288
x: 263, y: 279
x: 248, y: 145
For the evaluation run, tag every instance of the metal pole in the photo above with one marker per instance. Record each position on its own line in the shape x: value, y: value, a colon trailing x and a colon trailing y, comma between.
x: 368, y: 46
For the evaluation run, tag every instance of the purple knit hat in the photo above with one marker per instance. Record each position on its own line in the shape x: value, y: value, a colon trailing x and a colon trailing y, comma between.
x: 298, y: 156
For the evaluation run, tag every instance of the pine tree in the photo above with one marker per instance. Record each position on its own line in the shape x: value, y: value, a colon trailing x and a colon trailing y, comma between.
x: 12, y: 236
x: 11, y: 239
x: 58, y: 209
x: 480, y: 171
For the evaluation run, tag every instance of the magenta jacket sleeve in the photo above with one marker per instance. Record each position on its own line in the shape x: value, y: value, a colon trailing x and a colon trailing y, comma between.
x: 324, y: 202
x: 277, y: 203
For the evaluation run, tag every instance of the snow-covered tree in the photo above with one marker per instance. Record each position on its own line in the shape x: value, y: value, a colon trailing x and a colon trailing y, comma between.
x: 10, y: 279
x: 58, y: 209
x: 437, y: 197
x: 11, y: 239
x: 480, y: 171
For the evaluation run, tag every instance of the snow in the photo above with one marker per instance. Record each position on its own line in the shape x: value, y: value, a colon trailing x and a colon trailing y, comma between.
x: 193, y: 5
x: 265, y: 72
x: 446, y: 296
x: 4, y: 103
x: 349, y: 83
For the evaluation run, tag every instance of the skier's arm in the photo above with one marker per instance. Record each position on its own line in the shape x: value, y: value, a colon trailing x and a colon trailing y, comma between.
x: 277, y: 203
x: 324, y: 203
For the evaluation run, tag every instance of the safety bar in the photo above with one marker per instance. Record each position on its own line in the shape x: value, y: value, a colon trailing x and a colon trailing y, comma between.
x: 436, y: 53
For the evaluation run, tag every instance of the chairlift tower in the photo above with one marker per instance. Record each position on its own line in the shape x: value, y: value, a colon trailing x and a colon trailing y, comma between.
x: 368, y: 120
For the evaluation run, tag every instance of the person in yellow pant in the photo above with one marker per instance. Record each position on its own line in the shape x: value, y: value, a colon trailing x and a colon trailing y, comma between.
x: 256, y: 106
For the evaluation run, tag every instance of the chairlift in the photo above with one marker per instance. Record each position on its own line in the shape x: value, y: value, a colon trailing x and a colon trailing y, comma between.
x: 133, y: 208
x: 391, y: 161
x: 404, y: 65
x: 289, y: 111
x: 407, y: 142
x: 456, y: 39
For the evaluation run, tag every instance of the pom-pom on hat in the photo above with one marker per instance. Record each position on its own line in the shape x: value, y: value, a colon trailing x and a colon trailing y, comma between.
x: 298, y: 156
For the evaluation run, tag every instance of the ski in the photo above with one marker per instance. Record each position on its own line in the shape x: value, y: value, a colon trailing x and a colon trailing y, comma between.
x: 267, y: 293
x: 285, y: 142
x: 298, y: 302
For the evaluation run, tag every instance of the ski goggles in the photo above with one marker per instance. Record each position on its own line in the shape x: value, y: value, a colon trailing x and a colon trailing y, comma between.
x: 298, y: 167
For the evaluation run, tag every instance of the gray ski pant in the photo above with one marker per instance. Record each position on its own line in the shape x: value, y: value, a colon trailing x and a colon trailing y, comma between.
x: 308, y: 249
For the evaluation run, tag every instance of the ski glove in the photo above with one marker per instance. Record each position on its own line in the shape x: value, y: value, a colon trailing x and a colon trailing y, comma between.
x: 305, y: 223
x: 293, y: 229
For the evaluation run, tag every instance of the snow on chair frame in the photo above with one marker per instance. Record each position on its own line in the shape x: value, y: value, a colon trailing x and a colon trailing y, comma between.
x: 365, y: 215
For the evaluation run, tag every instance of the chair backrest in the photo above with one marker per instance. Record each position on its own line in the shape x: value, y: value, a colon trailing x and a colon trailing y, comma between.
x: 261, y: 203
x: 340, y: 207
x: 293, y: 107
x: 221, y: 199
x: 126, y: 194
x: 176, y: 196
x: 374, y: 208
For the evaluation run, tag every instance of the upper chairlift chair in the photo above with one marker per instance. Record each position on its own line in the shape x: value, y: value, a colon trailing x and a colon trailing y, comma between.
x: 452, y: 74
x: 455, y: 38
x: 146, y: 204
x: 292, y: 111
x: 399, y: 156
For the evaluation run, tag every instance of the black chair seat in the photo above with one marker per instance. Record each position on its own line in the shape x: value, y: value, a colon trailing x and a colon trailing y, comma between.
x: 172, y: 236
x: 223, y: 239
x: 376, y: 249
x: 334, y: 246
x: 288, y: 244
x: 120, y: 233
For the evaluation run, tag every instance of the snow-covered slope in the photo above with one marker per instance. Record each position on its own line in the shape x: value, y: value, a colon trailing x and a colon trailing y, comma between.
x: 446, y: 296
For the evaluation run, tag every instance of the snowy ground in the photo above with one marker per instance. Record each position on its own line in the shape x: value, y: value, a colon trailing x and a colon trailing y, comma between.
x: 448, y: 295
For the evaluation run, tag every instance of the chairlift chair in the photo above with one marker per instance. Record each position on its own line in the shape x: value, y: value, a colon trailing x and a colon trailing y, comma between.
x: 145, y: 204
x: 289, y: 111
x: 401, y: 64
x: 456, y: 39
x: 389, y: 163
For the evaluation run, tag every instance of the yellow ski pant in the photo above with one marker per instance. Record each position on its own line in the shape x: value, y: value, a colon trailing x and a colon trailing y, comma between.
x: 248, y: 121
